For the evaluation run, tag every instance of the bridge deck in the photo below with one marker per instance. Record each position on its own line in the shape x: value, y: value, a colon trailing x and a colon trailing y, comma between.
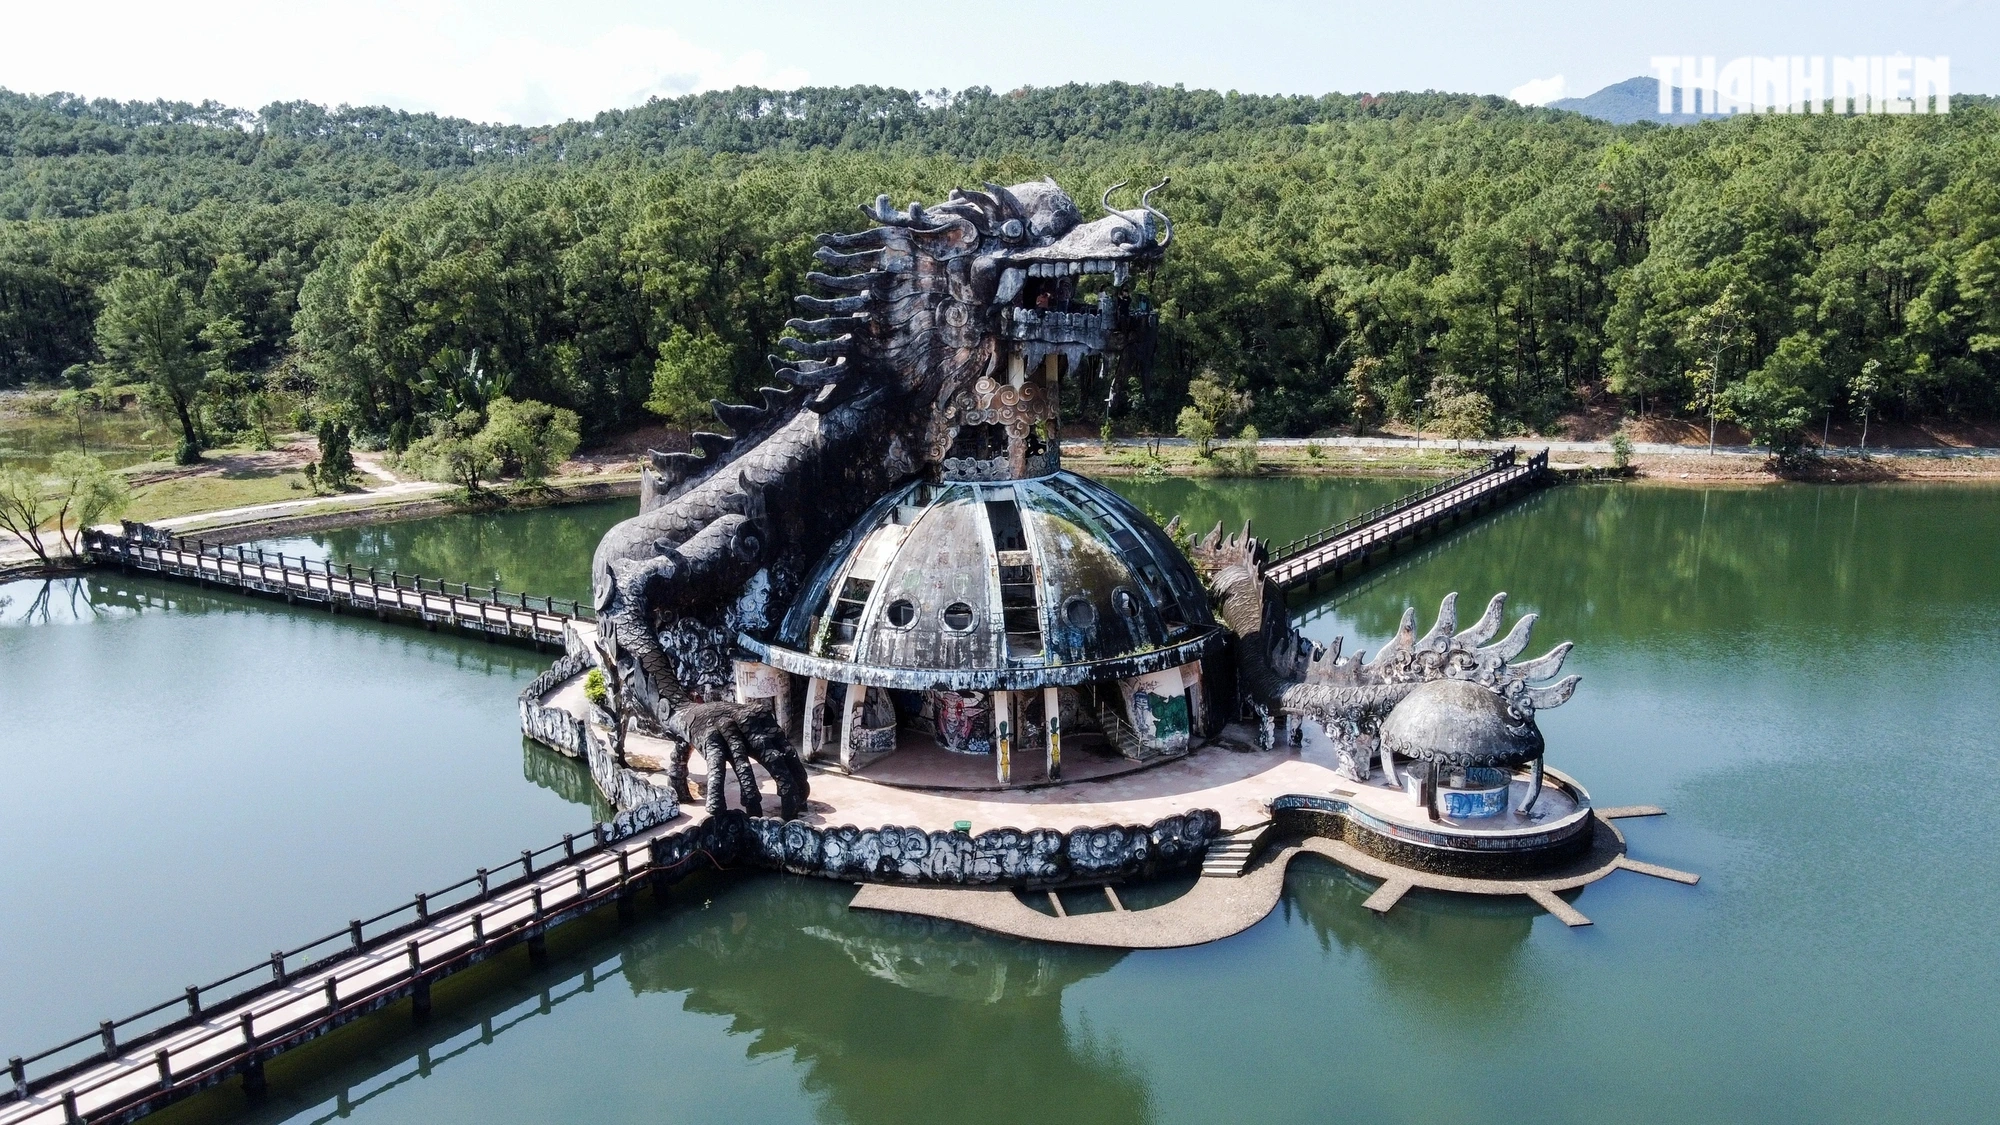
x: 540, y: 619
x: 1343, y: 546
x: 126, y: 1080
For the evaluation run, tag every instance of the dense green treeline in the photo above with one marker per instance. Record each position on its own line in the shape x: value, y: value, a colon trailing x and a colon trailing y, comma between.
x: 1338, y: 260
x: 66, y: 157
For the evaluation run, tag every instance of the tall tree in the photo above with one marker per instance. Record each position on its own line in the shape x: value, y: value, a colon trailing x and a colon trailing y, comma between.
x: 147, y: 333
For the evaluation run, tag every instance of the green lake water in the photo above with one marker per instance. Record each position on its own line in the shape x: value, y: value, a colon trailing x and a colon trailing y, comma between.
x: 1806, y: 677
x: 117, y: 438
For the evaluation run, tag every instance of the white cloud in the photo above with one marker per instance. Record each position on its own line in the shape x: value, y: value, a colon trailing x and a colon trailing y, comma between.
x: 1538, y: 91
x: 438, y: 55
x: 525, y: 80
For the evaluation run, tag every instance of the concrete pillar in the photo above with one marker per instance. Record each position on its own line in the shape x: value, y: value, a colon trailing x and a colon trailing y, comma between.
x: 1052, y: 383
x: 1003, y: 736
x: 850, y: 707
x: 812, y: 726
x: 755, y: 681
x: 1052, y: 724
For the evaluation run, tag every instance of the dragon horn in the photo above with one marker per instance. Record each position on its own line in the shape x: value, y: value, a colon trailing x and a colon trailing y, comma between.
x: 1541, y: 667
x: 1484, y: 629
x: 1555, y: 695
x: 1105, y: 202
x: 1439, y: 638
x: 1146, y: 204
x: 882, y: 211
x: 1405, y: 640
x: 983, y: 200
x: 1009, y: 206
x: 1510, y: 646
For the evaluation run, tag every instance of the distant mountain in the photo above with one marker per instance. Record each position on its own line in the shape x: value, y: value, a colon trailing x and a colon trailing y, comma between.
x: 1635, y: 99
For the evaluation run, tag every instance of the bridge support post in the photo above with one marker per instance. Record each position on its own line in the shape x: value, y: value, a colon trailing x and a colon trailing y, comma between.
x: 253, y: 1077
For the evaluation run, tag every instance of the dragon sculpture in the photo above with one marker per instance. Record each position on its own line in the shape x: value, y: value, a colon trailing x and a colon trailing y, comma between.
x: 882, y: 389
x: 1473, y: 683
x: 881, y: 383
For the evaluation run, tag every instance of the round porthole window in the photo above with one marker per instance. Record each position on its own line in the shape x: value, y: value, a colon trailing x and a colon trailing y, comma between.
x: 1123, y: 601
x: 958, y: 617
x: 901, y: 613
x: 1079, y: 613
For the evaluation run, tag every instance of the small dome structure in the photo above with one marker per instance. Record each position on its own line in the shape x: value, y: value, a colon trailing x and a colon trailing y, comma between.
x: 1457, y: 723
x: 1048, y: 581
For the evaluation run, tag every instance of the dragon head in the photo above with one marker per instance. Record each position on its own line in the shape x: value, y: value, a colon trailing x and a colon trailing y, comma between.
x: 941, y: 301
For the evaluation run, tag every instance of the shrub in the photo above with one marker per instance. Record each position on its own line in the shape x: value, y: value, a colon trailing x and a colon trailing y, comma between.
x: 529, y: 437
x: 1463, y: 414
x: 1214, y: 405
x: 1246, y: 451
x: 1621, y: 450
x: 453, y: 453
x: 594, y: 689
x: 334, y: 471
x: 1197, y: 429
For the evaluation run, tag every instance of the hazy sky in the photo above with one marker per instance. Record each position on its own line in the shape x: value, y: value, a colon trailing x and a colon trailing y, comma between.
x: 539, y: 62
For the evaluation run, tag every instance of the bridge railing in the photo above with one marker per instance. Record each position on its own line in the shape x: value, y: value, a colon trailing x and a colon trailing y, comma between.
x: 140, y: 540
x: 1499, y: 461
x: 115, y: 1039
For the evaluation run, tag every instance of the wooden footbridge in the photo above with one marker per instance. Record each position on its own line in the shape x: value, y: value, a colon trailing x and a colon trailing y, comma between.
x: 1355, y: 544
x: 129, y: 1067
x: 431, y: 601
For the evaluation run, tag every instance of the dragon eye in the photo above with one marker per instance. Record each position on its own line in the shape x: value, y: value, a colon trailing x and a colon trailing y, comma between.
x: 1011, y: 229
x: 1121, y: 236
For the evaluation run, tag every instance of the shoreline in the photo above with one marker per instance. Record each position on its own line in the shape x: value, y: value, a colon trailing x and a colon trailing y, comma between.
x: 1650, y: 463
x: 289, y: 518
x: 1653, y: 465
x: 403, y: 508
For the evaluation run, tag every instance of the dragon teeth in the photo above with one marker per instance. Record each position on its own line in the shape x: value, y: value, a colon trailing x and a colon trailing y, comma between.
x: 1076, y: 268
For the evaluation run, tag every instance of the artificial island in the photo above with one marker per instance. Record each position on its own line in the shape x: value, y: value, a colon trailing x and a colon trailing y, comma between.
x: 883, y: 611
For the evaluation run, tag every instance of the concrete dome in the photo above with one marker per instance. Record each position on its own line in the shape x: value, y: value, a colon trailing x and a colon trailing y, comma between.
x: 1053, y: 580
x: 1460, y: 724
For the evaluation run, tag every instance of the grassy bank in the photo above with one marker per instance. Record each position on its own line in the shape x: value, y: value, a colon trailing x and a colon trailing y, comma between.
x: 1271, y: 459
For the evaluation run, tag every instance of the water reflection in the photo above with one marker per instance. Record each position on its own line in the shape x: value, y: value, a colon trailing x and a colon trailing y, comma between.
x: 567, y: 778
x: 891, y: 1018
x: 46, y: 601
x: 880, y: 1018
x: 1682, y: 567
x: 1303, y: 504
x: 196, y: 777
x: 541, y: 551
x: 1450, y: 957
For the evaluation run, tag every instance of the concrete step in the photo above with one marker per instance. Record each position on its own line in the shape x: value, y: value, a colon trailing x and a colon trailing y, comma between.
x: 1229, y: 856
